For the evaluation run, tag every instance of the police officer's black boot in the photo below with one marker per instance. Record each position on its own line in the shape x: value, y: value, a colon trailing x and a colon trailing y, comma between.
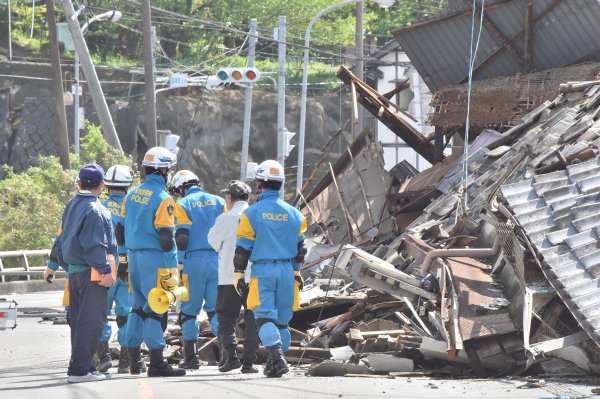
x: 160, y: 368
x: 247, y: 364
x: 104, y: 360
x: 279, y: 366
x: 232, y: 361
x: 136, y: 364
x: 190, y: 358
x: 123, y: 366
x: 268, y: 364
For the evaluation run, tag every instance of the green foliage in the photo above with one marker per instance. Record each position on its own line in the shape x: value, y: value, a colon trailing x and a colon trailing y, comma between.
x: 32, y: 202
x: 206, y: 46
x: 93, y: 148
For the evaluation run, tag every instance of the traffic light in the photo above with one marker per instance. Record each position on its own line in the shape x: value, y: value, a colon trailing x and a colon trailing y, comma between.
x: 238, y: 75
x: 287, y: 138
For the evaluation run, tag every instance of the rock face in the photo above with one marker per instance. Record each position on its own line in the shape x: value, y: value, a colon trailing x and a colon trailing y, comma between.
x: 211, y: 131
x: 209, y: 123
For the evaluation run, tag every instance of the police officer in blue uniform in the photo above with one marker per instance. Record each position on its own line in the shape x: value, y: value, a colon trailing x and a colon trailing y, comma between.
x: 149, y: 213
x: 117, y: 179
x: 271, y: 235
x: 195, y: 214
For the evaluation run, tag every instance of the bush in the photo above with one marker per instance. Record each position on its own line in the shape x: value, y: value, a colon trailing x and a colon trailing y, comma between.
x: 32, y: 202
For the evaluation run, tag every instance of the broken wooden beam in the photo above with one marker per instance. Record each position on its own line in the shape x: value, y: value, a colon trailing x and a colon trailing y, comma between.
x: 387, y: 112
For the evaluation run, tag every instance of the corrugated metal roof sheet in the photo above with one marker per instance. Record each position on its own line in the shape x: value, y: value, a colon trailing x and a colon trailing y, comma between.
x: 560, y: 212
x: 566, y: 33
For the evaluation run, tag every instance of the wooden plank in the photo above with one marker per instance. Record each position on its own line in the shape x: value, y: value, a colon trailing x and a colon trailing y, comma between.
x: 528, y: 40
x: 343, y: 205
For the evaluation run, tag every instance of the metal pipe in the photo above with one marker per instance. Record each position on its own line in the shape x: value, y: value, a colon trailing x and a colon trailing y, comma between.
x: 27, y: 252
x: 9, y: 33
x: 149, y: 71
x: 21, y: 273
x: 76, y: 107
x: 281, y: 37
x: 452, y: 252
x: 248, y: 103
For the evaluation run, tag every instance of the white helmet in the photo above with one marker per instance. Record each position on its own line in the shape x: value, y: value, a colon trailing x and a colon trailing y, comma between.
x: 118, y: 176
x: 159, y: 157
x: 184, y: 178
x: 269, y: 171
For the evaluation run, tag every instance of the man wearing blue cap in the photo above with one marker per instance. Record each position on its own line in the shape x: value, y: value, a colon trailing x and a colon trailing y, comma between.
x: 85, y: 243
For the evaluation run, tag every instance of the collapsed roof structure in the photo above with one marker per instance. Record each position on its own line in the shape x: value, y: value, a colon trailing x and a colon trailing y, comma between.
x: 490, y: 259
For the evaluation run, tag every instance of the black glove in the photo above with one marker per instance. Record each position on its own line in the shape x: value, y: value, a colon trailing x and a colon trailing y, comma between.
x: 122, y: 269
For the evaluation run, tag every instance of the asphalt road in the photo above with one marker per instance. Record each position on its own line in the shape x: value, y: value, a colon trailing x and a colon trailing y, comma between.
x: 34, y: 358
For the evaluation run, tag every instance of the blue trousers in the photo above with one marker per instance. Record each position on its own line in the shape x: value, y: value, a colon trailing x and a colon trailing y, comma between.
x: 87, y: 313
x: 271, y: 298
x: 200, y: 270
x: 118, y: 295
x: 143, y: 275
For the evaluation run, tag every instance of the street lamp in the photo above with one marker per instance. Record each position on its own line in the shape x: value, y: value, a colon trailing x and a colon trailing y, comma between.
x: 113, y: 16
x: 301, y: 133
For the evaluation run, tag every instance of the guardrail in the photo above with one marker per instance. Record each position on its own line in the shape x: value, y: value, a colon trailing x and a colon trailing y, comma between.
x: 24, y: 268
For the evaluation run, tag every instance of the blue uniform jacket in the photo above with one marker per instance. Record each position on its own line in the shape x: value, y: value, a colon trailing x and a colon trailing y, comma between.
x: 197, y: 212
x: 87, y: 235
x: 114, y: 204
x: 146, y: 209
x: 271, y: 229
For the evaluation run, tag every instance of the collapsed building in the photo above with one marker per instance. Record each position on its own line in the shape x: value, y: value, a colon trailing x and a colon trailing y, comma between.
x: 486, y: 263
x: 489, y: 260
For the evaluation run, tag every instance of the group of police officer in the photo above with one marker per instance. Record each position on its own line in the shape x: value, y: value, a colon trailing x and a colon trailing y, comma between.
x: 204, y: 243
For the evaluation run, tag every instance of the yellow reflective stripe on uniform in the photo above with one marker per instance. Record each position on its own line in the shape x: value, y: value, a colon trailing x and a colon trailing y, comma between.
x: 66, y: 298
x: 123, y: 207
x: 253, y: 300
x: 302, y: 227
x: 181, y: 215
x: 245, y: 229
x: 165, y: 214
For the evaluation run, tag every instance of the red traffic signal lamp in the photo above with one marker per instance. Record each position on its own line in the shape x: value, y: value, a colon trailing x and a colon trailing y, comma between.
x: 238, y: 75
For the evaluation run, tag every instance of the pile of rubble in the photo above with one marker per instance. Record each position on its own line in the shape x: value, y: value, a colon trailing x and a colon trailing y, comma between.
x: 484, y: 265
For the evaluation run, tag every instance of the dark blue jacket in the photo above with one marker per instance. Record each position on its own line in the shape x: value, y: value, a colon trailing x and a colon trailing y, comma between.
x: 87, y: 235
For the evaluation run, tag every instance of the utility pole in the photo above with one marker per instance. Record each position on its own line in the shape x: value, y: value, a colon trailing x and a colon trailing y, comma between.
x: 248, y: 102
x: 281, y: 94
x: 151, y: 133
x: 59, y: 101
x: 90, y: 74
x: 9, y: 33
x: 360, y: 9
x: 76, y: 122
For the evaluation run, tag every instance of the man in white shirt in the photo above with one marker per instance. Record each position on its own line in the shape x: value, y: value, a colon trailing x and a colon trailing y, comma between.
x: 229, y: 303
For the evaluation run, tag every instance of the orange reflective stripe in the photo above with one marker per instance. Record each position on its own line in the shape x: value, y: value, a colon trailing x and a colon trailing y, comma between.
x: 165, y: 214
x: 302, y: 227
x: 245, y: 229
x: 123, y: 207
x: 181, y: 215
x: 59, y: 230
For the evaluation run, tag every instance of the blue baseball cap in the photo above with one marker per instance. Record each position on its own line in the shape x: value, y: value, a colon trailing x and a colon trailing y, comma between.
x: 91, y: 174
